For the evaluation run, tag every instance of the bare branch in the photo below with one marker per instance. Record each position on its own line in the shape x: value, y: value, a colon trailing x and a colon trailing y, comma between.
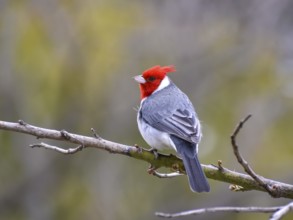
x: 162, y: 160
x: 63, y: 135
x: 166, y: 175
x: 58, y: 149
x: 219, y: 209
x: 282, y: 211
x: 271, y: 189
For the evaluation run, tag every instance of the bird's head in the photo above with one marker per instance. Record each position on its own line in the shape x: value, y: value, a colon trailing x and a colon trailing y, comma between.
x: 153, y: 79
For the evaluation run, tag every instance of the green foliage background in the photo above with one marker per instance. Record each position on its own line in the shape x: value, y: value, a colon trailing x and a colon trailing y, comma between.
x: 69, y: 65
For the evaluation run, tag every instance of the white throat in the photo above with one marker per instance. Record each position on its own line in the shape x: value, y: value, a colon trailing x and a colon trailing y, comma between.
x: 165, y: 82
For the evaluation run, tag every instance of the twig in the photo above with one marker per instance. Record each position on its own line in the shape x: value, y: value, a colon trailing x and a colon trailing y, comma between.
x: 282, y: 211
x: 220, y: 166
x: 58, y: 149
x: 166, y: 175
x: 95, y: 133
x: 273, y: 191
x: 219, y: 209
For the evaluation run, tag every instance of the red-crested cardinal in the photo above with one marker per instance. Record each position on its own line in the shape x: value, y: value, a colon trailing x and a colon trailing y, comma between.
x: 167, y: 119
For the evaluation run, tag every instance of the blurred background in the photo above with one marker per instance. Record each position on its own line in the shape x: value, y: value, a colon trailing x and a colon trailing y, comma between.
x: 69, y: 64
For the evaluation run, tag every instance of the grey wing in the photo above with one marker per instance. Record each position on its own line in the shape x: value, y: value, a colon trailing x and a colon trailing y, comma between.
x: 181, y: 123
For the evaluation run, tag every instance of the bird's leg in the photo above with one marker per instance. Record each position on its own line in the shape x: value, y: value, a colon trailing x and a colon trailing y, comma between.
x: 155, y: 152
x: 151, y: 169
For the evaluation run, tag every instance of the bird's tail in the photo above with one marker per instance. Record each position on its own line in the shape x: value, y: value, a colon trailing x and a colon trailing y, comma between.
x: 196, y: 176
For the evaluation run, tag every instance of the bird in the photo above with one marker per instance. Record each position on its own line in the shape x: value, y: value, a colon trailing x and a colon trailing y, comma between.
x: 167, y: 119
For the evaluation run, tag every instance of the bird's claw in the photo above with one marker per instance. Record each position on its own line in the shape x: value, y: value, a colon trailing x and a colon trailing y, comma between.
x: 155, y: 152
x: 151, y: 169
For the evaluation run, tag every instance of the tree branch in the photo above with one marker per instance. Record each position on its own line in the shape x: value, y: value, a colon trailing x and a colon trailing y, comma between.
x: 219, y: 209
x: 170, y: 161
x: 271, y: 189
x: 282, y: 211
x: 166, y: 175
x: 58, y: 149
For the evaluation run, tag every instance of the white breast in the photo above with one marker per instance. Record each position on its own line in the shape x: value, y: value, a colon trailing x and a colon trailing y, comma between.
x: 155, y: 138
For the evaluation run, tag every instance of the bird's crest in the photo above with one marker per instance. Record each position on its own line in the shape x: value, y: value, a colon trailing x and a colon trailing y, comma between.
x: 159, y: 70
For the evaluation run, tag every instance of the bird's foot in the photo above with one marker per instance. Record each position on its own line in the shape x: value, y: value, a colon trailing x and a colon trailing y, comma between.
x: 151, y: 169
x: 155, y: 152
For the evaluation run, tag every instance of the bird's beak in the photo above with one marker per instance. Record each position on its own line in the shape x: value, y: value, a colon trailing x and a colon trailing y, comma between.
x: 139, y: 79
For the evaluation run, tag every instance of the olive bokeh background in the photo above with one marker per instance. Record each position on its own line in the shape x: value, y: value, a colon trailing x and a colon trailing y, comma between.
x: 69, y: 64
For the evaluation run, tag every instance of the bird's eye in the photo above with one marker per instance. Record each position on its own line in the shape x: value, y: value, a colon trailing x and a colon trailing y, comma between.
x: 151, y: 78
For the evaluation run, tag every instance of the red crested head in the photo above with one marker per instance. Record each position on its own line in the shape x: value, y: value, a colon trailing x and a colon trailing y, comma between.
x: 151, y: 79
